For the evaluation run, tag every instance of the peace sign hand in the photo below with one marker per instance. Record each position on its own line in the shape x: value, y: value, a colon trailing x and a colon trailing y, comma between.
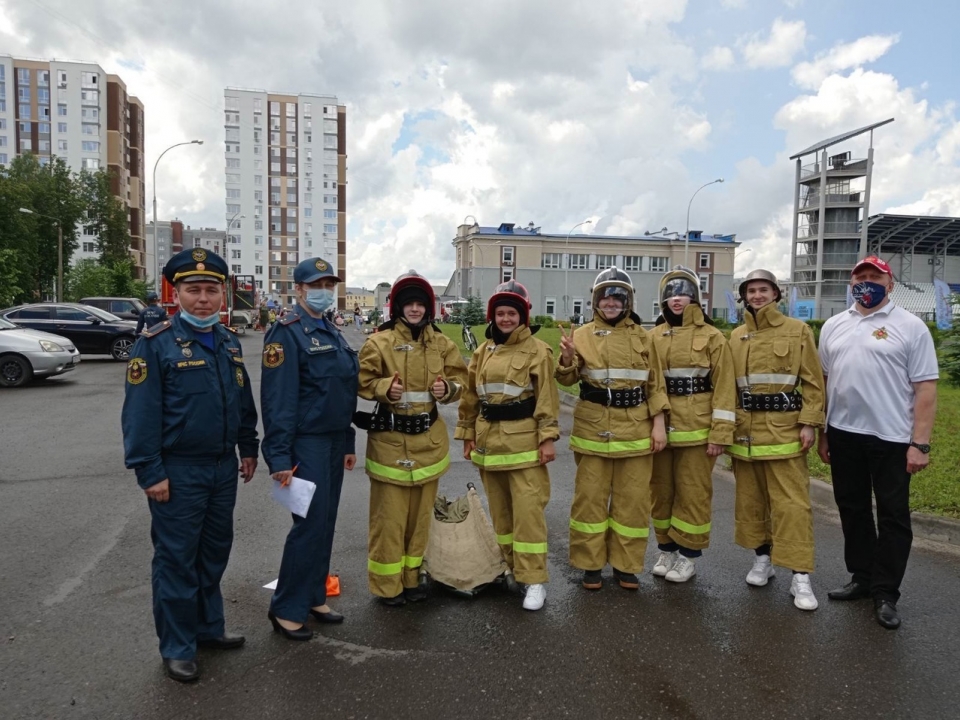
x: 567, y: 348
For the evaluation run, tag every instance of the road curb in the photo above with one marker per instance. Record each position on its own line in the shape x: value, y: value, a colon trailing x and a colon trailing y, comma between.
x: 925, y: 527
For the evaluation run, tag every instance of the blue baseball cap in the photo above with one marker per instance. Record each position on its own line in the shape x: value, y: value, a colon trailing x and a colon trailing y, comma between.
x: 196, y: 265
x: 312, y: 269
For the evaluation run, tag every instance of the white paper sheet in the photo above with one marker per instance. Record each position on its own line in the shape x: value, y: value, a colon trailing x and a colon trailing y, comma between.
x: 272, y: 585
x: 296, y: 496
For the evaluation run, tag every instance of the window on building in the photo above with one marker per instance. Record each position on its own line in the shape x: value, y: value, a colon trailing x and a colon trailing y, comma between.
x: 704, y: 282
x: 61, y: 127
x: 330, y: 228
x: 233, y: 193
x: 507, y: 274
x: 606, y: 261
x: 704, y: 260
x: 274, y: 108
x: 196, y: 242
x: 274, y: 167
x: 3, y: 158
x: 258, y: 224
x: 550, y: 307
x: 88, y: 129
x: 258, y: 164
x: 578, y: 261
x: 62, y: 110
x: 90, y: 163
x: 89, y: 247
x: 61, y: 78
x: 258, y: 180
x: 655, y: 310
x: 62, y: 145
x: 233, y: 178
x: 292, y: 110
x: 258, y: 240
x: 91, y: 146
x: 506, y: 254
x: 231, y: 102
x: 550, y: 260
x: 258, y: 269
x: 235, y: 255
x: 25, y: 112
x: 232, y: 209
x: 291, y: 168
x: 658, y: 264
x: 258, y: 195
x: 631, y: 263
x: 291, y: 227
x: 235, y: 269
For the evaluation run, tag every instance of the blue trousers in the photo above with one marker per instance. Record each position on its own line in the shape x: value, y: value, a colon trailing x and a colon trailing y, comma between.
x: 306, y: 554
x: 192, y: 535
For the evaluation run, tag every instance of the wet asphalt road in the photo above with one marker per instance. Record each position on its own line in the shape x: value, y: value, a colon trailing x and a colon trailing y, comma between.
x: 77, y: 638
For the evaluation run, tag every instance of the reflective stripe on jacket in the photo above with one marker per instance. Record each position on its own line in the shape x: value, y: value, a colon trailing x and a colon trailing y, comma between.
x: 696, y: 349
x: 775, y: 354
x: 614, y: 357
x: 393, y: 456
x: 522, y: 363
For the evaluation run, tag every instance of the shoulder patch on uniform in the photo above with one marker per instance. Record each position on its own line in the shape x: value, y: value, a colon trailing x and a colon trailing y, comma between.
x: 157, y: 329
x: 239, y: 375
x: 136, y: 370
x: 289, y: 319
x: 273, y: 355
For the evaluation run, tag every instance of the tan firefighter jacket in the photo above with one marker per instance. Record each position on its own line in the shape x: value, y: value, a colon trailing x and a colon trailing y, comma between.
x: 696, y: 349
x: 614, y: 357
x: 520, y: 368
x: 775, y: 354
x: 392, y: 456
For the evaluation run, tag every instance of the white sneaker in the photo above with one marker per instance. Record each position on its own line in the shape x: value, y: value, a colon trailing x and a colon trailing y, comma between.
x: 665, y: 561
x: 802, y: 592
x: 761, y: 571
x: 683, y: 569
x: 535, y: 596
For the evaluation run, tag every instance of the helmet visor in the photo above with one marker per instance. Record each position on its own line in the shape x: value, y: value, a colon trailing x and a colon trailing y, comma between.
x: 679, y: 286
x: 613, y: 292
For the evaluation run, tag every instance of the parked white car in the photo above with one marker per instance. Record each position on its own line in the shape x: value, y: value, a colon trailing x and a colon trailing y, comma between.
x: 26, y: 354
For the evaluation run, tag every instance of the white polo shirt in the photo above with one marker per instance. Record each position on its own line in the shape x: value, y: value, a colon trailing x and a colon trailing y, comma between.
x: 871, y: 362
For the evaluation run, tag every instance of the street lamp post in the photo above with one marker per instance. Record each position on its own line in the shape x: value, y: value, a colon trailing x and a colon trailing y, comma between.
x: 686, y: 235
x: 155, y: 230
x: 566, y: 270
x: 28, y: 211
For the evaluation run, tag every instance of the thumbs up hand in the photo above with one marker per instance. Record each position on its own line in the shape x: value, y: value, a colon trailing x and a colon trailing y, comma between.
x: 439, y: 388
x: 396, y: 388
x: 567, y: 348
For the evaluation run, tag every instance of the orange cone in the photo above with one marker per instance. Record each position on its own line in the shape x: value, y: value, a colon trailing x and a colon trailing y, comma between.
x: 333, y: 585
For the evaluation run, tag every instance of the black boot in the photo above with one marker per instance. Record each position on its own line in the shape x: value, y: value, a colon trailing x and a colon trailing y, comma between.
x: 592, y: 579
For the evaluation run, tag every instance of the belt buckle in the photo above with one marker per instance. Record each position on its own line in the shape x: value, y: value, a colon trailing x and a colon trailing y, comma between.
x: 425, y: 419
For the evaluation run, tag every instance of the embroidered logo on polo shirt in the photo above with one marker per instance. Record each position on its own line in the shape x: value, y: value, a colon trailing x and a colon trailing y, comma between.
x: 881, y: 333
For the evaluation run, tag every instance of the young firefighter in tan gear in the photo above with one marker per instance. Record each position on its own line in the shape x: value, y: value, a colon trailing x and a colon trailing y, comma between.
x: 407, y: 367
x: 617, y: 424
x: 780, y: 402
x: 698, y: 371
x: 508, y: 422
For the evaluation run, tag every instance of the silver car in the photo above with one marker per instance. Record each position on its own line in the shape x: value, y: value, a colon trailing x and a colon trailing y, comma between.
x: 25, y: 354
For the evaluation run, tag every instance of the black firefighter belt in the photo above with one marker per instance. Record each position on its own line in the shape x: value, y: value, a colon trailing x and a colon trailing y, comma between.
x: 382, y: 420
x: 688, y: 385
x: 508, y: 411
x: 773, y: 402
x: 630, y: 397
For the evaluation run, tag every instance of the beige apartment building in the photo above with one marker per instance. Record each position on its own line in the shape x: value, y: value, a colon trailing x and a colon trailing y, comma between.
x: 76, y: 111
x: 559, y: 270
x: 285, y: 167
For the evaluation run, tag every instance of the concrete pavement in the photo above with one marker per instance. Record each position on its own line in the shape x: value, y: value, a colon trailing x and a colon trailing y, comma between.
x: 77, y: 638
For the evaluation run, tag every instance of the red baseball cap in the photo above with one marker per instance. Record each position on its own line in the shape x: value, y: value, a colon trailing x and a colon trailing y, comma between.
x: 875, y: 262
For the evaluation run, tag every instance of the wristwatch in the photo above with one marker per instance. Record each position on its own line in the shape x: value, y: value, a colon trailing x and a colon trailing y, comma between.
x: 922, y: 447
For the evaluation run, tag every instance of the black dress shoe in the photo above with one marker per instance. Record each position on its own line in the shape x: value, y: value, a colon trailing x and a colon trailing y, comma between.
x: 887, y: 614
x: 227, y: 641
x: 628, y: 581
x: 397, y: 601
x: 330, y: 617
x: 592, y: 579
x: 302, y: 633
x: 417, y: 594
x: 851, y: 591
x: 181, y: 670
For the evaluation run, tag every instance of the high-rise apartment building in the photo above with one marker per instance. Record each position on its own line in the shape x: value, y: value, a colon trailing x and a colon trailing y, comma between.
x: 77, y: 112
x: 285, y: 168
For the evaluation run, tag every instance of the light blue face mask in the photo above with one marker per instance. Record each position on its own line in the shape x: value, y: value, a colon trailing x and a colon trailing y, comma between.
x: 198, y: 322
x: 320, y: 300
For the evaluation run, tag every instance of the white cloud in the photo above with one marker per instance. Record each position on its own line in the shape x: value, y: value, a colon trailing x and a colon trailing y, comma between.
x: 734, y: 4
x: 843, y: 57
x: 778, y: 49
x: 718, y: 58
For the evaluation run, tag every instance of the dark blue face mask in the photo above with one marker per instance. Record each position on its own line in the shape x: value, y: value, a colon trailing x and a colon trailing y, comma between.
x: 868, y: 294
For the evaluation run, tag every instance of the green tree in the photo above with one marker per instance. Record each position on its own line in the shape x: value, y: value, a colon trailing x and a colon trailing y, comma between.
x: 106, y: 216
x: 9, y: 277
x: 473, y: 313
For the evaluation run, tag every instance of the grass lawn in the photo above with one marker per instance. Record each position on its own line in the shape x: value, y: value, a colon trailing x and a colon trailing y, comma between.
x: 936, y: 490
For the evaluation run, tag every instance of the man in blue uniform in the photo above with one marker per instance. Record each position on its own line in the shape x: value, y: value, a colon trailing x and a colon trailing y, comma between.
x: 187, y: 407
x: 152, y: 314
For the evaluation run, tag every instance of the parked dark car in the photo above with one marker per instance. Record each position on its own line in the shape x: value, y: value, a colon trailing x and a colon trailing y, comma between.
x: 91, y: 329
x: 125, y: 308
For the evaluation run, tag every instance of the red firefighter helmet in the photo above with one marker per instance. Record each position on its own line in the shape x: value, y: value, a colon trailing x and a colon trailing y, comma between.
x: 513, y: 294
x: 408, y: 287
